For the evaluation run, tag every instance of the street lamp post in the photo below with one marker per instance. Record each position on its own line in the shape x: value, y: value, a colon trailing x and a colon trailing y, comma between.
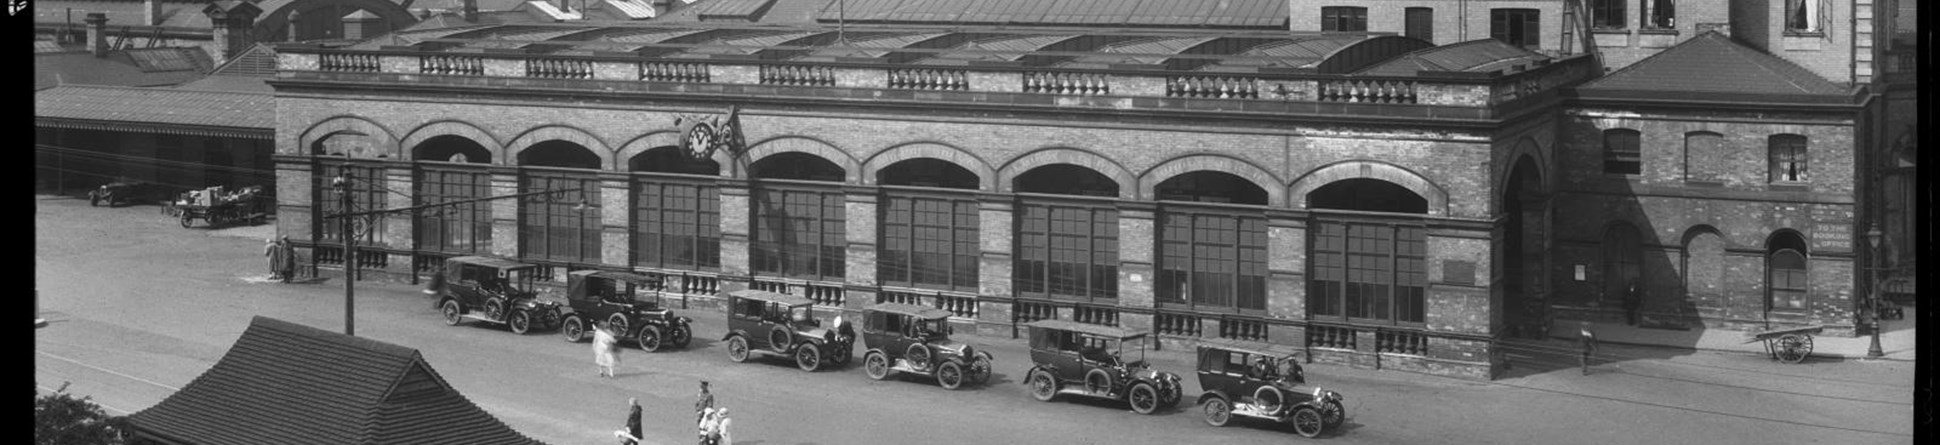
x: 342, y: 183
x: 1874, y: 237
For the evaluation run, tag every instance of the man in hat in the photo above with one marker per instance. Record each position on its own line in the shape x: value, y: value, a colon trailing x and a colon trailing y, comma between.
x: 702, y: 403
x: 1588, y: 340
x: 274, y: 254
x: 288, y: 264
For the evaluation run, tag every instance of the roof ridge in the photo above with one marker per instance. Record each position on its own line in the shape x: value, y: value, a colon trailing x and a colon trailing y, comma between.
x: 160, y: 90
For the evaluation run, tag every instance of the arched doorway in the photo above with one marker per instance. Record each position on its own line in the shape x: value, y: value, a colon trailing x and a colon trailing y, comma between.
x: 1525, y: 208
x: 1786, y: 277
x: 451, y: 168
x: 559, y: 226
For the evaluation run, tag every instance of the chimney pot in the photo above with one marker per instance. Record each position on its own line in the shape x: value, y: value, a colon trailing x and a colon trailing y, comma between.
x: 97, y: 33
x: 154, y: 10
x: 471, y: 11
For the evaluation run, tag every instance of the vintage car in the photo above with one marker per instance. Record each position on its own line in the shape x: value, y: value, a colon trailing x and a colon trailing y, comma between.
x: 492, y: 290
x: 916, y: 340
x: 627, y: 302
x: 1069, y: 357
x: 1263, y: 381
x: 122, y: 192
x: 781, y: 324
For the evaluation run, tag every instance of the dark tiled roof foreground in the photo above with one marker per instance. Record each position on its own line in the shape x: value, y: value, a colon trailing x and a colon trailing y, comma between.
x: 157, y: 106
x: 285, y: 383
x: 1714, y: 64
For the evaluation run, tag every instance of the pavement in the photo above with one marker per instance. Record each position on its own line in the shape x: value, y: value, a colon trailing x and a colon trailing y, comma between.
x: 1898, y: 339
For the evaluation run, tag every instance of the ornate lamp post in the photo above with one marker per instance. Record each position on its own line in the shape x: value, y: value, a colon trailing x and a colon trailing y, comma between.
x: 342, y: 184
x: 1875, y: 238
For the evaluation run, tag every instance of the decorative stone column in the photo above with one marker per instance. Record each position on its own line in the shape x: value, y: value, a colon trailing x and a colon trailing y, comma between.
x: 1137, y: 264
x: 996, y: 218
x: 859, y: 208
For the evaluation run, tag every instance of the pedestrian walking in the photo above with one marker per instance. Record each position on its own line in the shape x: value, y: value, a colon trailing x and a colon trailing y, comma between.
x: 1587, y: 339
x: 1632, y: 299
x: 288, y: 263
x: 705, y: 429
x: 721, y: 423
x: 702, y: 403
x: 632, y: 422
x: 605, y: 352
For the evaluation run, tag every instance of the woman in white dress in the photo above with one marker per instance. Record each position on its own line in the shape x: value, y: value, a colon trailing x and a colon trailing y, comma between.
x: 603, y: 345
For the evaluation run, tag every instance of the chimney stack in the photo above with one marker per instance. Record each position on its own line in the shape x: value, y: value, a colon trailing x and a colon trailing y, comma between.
x: 97, y: 34
x: 154, y: 10
x: 233, y: 21
x: 294, y: 19
x: 471, y: 11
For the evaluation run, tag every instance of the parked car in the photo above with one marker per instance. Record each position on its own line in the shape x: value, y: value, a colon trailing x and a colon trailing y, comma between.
x: 916, y: 340
x: 492, y: 290
x: 114, y: 194
x: 628, y: 302
x: 781, y: 324
x: 1263, y: 381
x: 1085, y: 359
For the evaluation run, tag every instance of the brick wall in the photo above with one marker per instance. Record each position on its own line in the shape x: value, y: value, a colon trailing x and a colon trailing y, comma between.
x: 1452, y: 22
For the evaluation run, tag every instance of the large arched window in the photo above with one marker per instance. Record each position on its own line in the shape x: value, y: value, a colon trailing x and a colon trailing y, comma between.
x: 1211, y: 257
x: 800, y: 227
x: 1367, y: 267
x: 452, y: 168
x: 353, y: 153
x: 559, y: 226
x: 676, y: 211
x: 1786, y: 281
x: 929, y: 226
x: 1622, y: 261
x: 1067, y: 246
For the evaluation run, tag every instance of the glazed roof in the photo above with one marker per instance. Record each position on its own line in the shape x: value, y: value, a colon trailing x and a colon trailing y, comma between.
x: 157, y: 106
x: 287, y: 383
x: 1712, y: 65
x: 1262, y: 14
x: 1051, y: 48
x: 1472, y: 56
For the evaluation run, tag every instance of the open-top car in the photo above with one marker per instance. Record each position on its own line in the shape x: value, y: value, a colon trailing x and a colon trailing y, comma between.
x: 916, y: 340
x: 1069, y: 357
x: 785, y: 325
x: 116, y: 193
x: 627, y: 302
x: 1263, y: 381
x: 493, y: 290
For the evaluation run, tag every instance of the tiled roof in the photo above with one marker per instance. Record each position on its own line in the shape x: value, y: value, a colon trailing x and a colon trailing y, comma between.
x: 117, y: 68
x: 1258, y: 14
x: 1472, y: 56
x: 231, y: 84
x: 157, y: 106
x: 257, y: 61
x: 291, y: 384
x: 1714, y: 64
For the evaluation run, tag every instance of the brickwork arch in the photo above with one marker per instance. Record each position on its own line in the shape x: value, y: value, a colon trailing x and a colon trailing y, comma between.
x: 558, y: 133
x: 1700, y: 229
x: 851, y: 169
x: 409, y: 145
x: 1525, y: 148
x: 986, y: 176
x: 664, y: 138
x: 1437, y: 198
x: 387, y: 143
x: 1148, y: 183
x: 1007, y: 175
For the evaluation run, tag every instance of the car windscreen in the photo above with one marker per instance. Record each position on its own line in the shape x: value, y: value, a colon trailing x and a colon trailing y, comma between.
x: 802, y: 315
x: 932, y: 328
x: 520, y: 279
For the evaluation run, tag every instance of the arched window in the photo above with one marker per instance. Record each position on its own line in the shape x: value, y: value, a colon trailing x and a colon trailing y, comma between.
x: 1067, y: 247
x: 928, y: 237
x: 556, y: 226
x: 1211, y: 257
x: 800, y: 227
x: 1367, y: 268
x: 1621, y: 152
x: 452, y: 168
x: 1788, y: 158
x: 676, y: 210
x: 1786, y: 282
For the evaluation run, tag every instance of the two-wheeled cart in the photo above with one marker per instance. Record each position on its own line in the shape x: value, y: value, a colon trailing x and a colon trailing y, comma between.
x: 1788, y: 345
x: 252, y: 207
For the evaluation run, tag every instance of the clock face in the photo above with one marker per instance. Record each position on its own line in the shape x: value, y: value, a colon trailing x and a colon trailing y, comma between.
x: 700, y: 141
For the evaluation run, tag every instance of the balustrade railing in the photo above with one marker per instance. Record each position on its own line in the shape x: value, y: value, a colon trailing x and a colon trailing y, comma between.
x: 1186, y: 325
x: 1401, y: 342
x: 690, y: 284
x: 797, y: 75
x: 355, y: 63
x: 1330, y: 337
x: 559, y: 68
x: 1219, y: 87
x: 910, y: 298
x: 1026, y: 311
x: 674, y: 72
x: 334, y: 256
x: 1370, y: 91
x: 965, y: 307
x: 929, y: 79
x: 1239, y: 329
x: 1066, y: 83
x: 427, y: 263
x: 456, y: 65
x: 328, y: 256
x: 1095, y: 315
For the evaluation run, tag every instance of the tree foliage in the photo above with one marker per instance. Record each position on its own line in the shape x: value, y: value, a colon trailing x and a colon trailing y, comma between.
x: 62, y: 419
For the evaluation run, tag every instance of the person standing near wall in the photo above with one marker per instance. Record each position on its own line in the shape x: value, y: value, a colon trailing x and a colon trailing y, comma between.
x: 1633, y: 299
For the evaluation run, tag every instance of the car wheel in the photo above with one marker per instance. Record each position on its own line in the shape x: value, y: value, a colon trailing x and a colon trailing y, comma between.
x: 452, y: 314
x: 1144, y: 398
x: 1306, y: 421
x: 188, y: 219
x: 737, y: 349
x: 1043, y: 387
x: 1332, y: 414
x: 950, y: 375
x: 520, y: 321
x: 876, y: 365
x: 649, y: 338
x: 495, y: 310
x: 979, y: 371
x: 680, y: 336
x: 574, y: 329
x: 1170, y: 397
x: 1218, y: 412
x: 618, y: 323
x: 808, y: 357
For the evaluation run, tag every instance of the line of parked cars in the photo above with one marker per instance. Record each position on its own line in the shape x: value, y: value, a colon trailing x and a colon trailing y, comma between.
x: 1239, y: 378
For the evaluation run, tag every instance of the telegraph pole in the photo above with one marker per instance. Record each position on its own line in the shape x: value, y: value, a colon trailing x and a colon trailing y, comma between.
x: 350, y: 253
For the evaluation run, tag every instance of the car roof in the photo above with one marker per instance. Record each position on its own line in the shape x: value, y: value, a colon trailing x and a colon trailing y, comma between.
x: 768, y: 296
x: 1098, y: 330
x: 1248, y: 346
x: 489, y: 261
x: 924, y: 312
x: 614, y: 275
